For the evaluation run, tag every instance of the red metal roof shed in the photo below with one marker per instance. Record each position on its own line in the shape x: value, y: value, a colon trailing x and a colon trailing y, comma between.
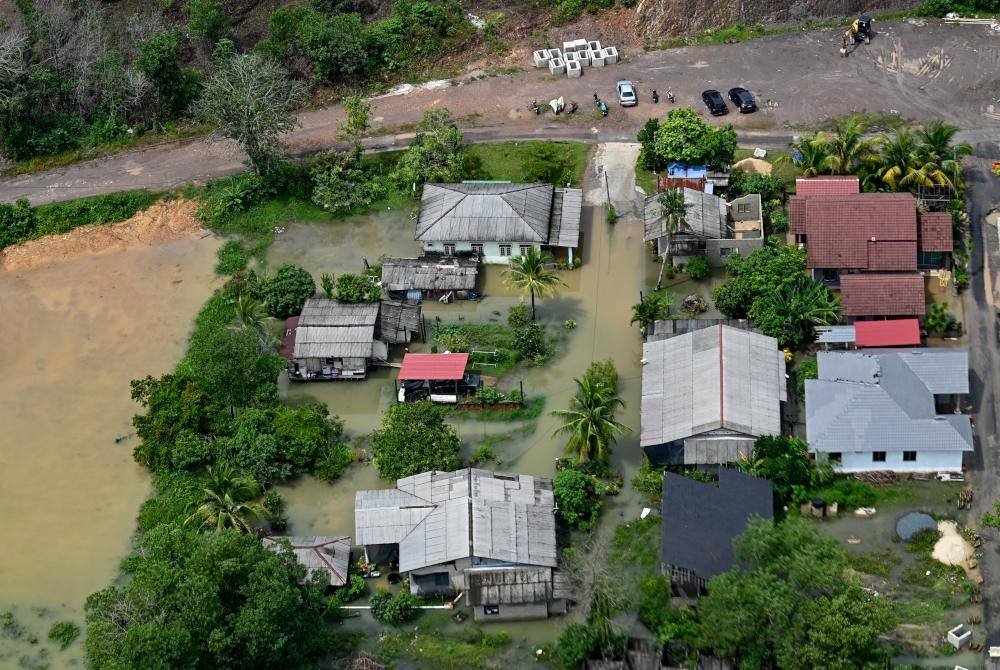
x: 892, y: 333
x: 433, y: 367
x: 288, y: 339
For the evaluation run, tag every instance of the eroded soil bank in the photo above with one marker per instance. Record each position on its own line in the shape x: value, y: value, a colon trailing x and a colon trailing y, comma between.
x: 74, y: 333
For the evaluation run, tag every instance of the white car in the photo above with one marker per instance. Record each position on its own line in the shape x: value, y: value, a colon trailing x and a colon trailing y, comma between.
x: 626, y: 94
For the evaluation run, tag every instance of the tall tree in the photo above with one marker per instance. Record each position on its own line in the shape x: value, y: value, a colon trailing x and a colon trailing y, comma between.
x: 649, y: 310
x: 231, y: 500
x: 253, y: 101
x: 849, y: 150
x: 435, y: 154
x: 414, y: 437
x: 527, y: 273
x: 792, y: 312
x: 674, y: 211
x: 897, y: 157
x: 357, y: 113
x: 811, y: 154
x: 590, y: 421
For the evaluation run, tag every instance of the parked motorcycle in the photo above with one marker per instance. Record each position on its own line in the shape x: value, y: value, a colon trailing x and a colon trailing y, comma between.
x: 534, y: 107
x: 670, y: 96
x: 656, y: 97
x: 600, y: 105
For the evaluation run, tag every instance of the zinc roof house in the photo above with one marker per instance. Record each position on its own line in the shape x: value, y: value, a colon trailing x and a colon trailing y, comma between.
x: 495, y: 221
x: 431, y: 276
x: 489, y: 535
x: 708, y: 394
x: 337, y: 340
x: 329, y: 556
x: 712, y: 227
x: 701, y: 520
x: 890, y: 409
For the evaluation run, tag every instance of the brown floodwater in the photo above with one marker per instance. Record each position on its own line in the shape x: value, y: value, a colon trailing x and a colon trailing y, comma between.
x: 74, y: 334
x: 598, y: 296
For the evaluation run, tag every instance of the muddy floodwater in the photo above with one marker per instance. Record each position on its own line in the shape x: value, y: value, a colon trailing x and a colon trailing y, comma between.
x: 74, y: 334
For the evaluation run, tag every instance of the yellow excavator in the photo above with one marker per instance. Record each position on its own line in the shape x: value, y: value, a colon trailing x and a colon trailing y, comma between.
x: 860, y: 31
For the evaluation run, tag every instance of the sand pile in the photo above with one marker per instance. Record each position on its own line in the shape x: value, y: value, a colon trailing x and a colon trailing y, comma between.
x: 754, y: 165
x: 164, y: 221
x: 951, y: 548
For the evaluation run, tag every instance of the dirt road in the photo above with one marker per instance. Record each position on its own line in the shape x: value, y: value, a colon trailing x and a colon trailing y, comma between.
x: 921, y: 72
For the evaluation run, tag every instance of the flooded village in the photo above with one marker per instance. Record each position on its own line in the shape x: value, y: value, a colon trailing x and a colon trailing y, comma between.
x: 683, y: 402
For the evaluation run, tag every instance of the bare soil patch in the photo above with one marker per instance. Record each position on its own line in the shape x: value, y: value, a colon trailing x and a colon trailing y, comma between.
x: 165, y: 221
x: 754, y: 165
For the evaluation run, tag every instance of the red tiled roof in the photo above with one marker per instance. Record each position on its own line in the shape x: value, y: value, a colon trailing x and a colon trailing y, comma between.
x: 797, y: 214
x: 829, y: 185
x: 935, y: 231
x: 876, y: 294
x: 891, y: 333
x: 435, y: 367
x: 840, y: 229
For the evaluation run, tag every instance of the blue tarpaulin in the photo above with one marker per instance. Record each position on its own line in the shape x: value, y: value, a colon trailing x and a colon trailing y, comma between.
x: 685, y: 171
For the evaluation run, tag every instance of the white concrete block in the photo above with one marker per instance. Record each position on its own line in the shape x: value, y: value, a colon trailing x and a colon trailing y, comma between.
x: 595, y: 45
x: 572, y: 56
x: 555, y: 53
x: 556, y: 66
x: 573, y: 68
x: 610, y: 55
x: 541, y: 58
x: 957, y: 638
x: 580, y: 44
x: 584, y: 57
x: 569, y: 46
x: 597, y: 59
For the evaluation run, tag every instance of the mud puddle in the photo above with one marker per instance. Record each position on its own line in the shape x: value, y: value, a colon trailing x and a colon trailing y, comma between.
x: 74, y: 334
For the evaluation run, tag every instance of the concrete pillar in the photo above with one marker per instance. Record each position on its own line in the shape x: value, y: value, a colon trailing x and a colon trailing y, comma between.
x: 597, y: 58
x: 541, y: 58
x: 610, y: 55
x: 584, y: 57
x: 573, y: 68
x: 557, y: 66
x: 569, y: 46
x: 570, y: 256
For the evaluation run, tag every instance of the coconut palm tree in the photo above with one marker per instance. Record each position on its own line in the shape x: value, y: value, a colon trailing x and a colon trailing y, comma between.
x: 230, y: 501
x: 649, y: 310
x: 528, y: 274
x: 849, y: 149
x: 250, y: 315
x: 811, y: 154
x: 674, y: 211
x: 937, y: 157
x: 897, y: 157
x: 796, y: 308
x: 590, y: 421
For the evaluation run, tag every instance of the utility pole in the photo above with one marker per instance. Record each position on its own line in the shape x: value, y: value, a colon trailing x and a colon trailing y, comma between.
x: 607, y: 187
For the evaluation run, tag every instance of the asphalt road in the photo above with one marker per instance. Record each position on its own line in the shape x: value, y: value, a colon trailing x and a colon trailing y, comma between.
x: 984, y: 358
x: 920, y: 72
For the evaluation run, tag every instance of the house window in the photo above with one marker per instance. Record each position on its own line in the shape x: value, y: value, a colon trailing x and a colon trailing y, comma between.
x: 878, y: 457
x: 743, y: 208
x: 441, y: 579
x: 835, y: 457
x: 491, y: 610
x: 910, y: 456
x: 505, y: 250
x: 725, y: 252
x: 477, y: 249
x: 929, y: 259
x: 449, y: 249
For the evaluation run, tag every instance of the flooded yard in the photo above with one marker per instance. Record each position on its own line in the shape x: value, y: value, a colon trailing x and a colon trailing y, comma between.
x: 75, y: 333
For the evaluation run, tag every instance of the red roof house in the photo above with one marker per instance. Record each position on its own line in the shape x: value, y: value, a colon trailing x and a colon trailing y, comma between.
x: 882, y: 294
x: 935, y: 232
x: 866, y: 231
x: 890, y: 333
x: 827, y: 185
x: 433, y: 367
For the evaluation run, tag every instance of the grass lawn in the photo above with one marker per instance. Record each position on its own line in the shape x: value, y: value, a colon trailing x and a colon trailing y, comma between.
x: 783, y: 168
x: 508, y: 161
x: 645, y: 180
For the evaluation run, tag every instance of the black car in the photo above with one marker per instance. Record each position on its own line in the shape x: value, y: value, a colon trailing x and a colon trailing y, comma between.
x: 713, y: 100
x: 743, y: 100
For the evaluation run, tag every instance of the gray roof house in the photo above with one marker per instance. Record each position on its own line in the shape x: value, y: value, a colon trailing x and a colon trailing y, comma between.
x: 495, y: 220
x: 429, y: 276
x: 708, y: 394
x: 712, y: 227
x: 890, y: 409
x: 489, y: 535
x: 336, y: 340
x: 329, y: 556
x: 701, y: 520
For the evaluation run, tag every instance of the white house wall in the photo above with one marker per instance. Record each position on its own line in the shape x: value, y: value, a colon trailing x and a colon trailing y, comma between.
x: 927, y: 461
x: 491, y: 250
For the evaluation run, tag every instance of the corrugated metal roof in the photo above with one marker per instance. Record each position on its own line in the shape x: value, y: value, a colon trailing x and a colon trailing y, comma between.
x: 706, y: 217
x: 884, y: 400
x: 326, y: 312
x: 485, y: 212
x: 567, y: 207
x: 433, y: 366
x: 429, y: 274
x: 439, y: 517
x: 718, y: 377
x: 887, y: 333
x: 318, y: 553
x: 397, y: 321
x: 328, y: 342
x: 508, y: 586
x: 882, y: 294
x: 835, y: 334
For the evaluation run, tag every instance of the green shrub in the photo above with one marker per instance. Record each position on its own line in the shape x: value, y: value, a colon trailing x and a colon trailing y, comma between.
x: 343, y: 182
x: 779, y: 222
x: 568, y: 10
x: 697, y: 267
x: 61, y: 217
x: 393, y: 609
x: 518, y: 315
x: 649, y: 480
x: 233, y: 196
x: 666, y: 623
x: 576, y: 498
x: 938, y: 319
x: 333, y: 462
x: 490, y: 395
x: 17, y: 223
x: 603, y: 373
x: 768, y: 186
x: 352, y: 590
x: 453, y: 339
x: 206, y: 20
x: 484, y: 454
x: 232, y: 258
x: 575, y: 644
x: 64, y: 633
x: 356, y: 288
x: 529, y: 341
x: 923, y: 541
x: 807, y: 368
x: 288, y: 290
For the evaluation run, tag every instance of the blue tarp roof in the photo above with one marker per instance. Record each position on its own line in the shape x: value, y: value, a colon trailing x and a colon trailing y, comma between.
x: 685, y: 171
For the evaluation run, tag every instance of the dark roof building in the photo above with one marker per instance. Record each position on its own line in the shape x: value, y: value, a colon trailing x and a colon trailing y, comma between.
x: 701, y: 520
x: 935, y: 232
x: 429, y: 273
x: 827, y: 185
x: 329, y: 556
x: 882, y: 294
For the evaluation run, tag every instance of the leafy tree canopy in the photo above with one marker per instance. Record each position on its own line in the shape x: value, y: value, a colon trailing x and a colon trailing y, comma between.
x: 576, y: 497
x: 683, y: 136
x: 288, y: 290
x: 414, y: 438
x: 435, y: 154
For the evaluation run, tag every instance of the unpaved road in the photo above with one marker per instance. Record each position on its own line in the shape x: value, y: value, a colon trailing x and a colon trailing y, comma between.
x: 921, y: 72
